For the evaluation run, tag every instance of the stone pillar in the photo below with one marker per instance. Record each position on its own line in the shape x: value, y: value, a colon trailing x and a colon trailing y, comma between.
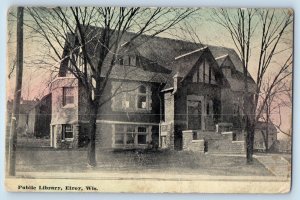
x: 171, y: 136
x: 167, y: 135
x: 187, y: 137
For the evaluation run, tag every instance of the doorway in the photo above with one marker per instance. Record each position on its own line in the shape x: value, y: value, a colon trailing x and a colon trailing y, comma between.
x: 194, y: 112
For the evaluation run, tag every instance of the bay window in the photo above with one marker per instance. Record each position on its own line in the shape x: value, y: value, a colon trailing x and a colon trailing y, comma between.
x: 68, y: 96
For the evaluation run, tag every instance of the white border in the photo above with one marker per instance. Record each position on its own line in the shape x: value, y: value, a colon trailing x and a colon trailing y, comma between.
x: 295, y: 4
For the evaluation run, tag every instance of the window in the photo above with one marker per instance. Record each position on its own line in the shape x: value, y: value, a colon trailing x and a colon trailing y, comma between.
x: 207, y: 108
x: 128, y: 60
x: 68, y: 95
x: 142, y: 97
x: 121, y: 61
x: 119, y: 138
x: 204, y: 74
x: 130, y: 135
x: 132, y: 60
x: 67, y: 131
x: 142, y: 135
x: 135, y: 98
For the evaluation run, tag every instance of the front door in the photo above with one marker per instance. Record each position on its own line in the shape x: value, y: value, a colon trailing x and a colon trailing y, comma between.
x: 194, y: 111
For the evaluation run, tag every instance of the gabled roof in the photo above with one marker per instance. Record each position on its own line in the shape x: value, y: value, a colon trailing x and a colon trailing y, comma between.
x: 236, y: 82
x: 225, y: 61
x: 165, y: 55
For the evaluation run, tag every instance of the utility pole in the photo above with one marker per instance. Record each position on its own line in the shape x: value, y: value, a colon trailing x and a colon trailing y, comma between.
x: 17, y: 95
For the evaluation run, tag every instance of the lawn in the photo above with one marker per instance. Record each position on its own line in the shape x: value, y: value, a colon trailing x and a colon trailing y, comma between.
x: 47, y: 159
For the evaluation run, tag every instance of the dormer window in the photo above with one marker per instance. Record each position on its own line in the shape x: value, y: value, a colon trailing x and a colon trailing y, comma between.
x: 132, y: 60
x: 128, y: 61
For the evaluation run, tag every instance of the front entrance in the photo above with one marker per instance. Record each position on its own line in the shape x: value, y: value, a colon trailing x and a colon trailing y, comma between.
x: 194, y: 108
x: 195, y: 112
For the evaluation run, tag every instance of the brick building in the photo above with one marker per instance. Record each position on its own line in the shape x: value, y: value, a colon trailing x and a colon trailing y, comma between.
x: 170, y: 93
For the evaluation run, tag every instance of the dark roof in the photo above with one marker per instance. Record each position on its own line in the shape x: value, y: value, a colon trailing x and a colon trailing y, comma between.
x: 25, y: 106
x: 42, y: 100
x: 159, y: 54
x: 236, y: 82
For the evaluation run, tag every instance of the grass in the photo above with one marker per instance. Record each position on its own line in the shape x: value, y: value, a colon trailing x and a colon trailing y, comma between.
x: 46, y: 159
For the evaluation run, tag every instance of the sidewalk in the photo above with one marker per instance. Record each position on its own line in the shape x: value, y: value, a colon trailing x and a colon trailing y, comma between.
x: 276, y: 164
x: 105, y: 175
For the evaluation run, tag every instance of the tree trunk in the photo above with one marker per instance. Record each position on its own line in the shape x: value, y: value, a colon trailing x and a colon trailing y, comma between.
x: 250, y: 141
x: 250, y: 127
x: 267, y: 133
x: 92, y: 135
x: 17, y: 96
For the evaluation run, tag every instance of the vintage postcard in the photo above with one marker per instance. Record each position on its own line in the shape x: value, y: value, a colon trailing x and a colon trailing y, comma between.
x: 149, y: 100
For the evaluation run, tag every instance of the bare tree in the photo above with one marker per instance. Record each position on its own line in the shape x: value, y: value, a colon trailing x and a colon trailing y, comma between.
x: 271, y: 27
x: 60, y: 27
x: 271, y: 112
x: 17, y: 95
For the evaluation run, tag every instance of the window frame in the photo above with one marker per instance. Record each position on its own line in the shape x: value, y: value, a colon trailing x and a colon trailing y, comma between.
x: 128, y: 101
x: 125, y: 131
x: 64, y: 102
x: 139, y: 95
x: 64, y: 131
x: 204, y: 73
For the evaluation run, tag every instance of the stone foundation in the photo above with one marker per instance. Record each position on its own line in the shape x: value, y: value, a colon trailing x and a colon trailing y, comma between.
x: 167, y: 136
x: 189, y: 144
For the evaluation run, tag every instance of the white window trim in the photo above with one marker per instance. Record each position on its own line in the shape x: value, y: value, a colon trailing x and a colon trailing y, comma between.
x: 69, y: 105
x: 64, y: 133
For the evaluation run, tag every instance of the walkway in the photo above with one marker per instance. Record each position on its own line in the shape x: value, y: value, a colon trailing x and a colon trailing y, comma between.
x: 276, y: 164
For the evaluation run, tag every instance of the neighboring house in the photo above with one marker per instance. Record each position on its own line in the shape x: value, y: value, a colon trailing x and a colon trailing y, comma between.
x: 39, y: 118
x: 166, y: 86
x: 25, y: 106
x: 260, y: 136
